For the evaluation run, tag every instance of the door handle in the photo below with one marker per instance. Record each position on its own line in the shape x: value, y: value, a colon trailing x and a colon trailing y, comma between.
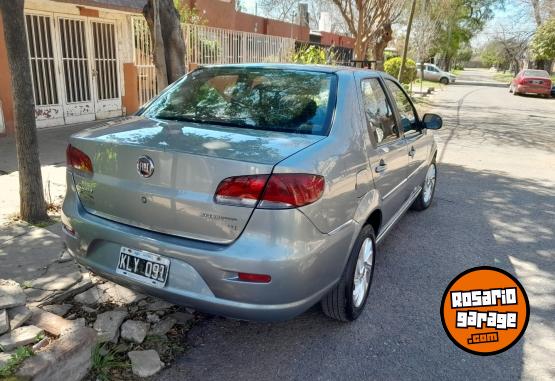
x: 412, y: 152
x: 382, y: 166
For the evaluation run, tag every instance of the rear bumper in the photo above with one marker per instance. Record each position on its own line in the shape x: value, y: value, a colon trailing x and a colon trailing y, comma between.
x: 533, y: 90
x: 303, y: 263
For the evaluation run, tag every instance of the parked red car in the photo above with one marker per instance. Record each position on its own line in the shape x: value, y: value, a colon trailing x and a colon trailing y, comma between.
x: 531, y: 81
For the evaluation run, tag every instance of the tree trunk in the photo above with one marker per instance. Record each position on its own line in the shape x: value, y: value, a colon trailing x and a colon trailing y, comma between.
x: 169, y: 48
x: 537, y: 12
x: 386, y: 35
x: 32, y: 207
x: 360, y: 49
x: 407, y: 38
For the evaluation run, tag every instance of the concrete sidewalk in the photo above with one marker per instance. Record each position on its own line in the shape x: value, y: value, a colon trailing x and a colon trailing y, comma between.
x: 52, y: 149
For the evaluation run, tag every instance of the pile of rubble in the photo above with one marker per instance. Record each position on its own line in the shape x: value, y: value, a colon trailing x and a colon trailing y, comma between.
x: 64, y: 329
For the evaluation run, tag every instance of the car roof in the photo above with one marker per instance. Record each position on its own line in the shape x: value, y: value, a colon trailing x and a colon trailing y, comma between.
x: 288, y: 66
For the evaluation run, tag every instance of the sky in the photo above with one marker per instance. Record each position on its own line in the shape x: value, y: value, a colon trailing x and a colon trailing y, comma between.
x: 249, y: 5
x: 514, y: 17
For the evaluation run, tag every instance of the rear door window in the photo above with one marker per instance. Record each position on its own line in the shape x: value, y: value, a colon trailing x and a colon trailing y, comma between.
x: 293, y: 101
x: 380, y: 118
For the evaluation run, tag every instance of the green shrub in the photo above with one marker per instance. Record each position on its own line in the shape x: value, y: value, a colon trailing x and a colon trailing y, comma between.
x: 313, y: 55
x: 393, y: 65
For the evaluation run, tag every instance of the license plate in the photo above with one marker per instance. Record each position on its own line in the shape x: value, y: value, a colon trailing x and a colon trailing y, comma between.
x: 144, y: 267
x: 536, y: 82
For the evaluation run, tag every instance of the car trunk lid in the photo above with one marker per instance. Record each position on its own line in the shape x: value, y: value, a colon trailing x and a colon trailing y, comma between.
x: 189, y: 160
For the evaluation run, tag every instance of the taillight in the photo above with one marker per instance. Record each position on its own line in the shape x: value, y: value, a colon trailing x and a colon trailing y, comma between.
x: 292, y: 190
x: 240, y: 190
x: 78, y: 159
x: 278, y: 191
x: 521, y: 81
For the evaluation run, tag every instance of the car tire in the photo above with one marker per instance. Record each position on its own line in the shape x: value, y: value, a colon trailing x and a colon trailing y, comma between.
x: 444, y: 80
x: 426, y: 196
x: 515, y: 92
x: 342, y: 302
x: 510, y: 88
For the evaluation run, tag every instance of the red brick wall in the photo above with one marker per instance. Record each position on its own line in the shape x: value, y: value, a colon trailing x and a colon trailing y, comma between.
x: 337, y: 40
x: 222, y: 14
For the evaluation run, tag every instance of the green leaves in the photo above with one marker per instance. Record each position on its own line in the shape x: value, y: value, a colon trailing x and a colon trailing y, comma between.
x: 543, y: 43
x: 20, y: 355
x: 393, y: 65
x: 313, y: 55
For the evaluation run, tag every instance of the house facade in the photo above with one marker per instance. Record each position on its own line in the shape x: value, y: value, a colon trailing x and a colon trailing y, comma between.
x: 91, y: 59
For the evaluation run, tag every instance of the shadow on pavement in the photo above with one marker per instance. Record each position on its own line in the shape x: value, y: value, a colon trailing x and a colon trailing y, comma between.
x: 478, y: 218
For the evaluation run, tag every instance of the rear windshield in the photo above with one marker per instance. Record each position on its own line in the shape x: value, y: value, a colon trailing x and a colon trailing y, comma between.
x: 260, y: 98
x: 536, y: 73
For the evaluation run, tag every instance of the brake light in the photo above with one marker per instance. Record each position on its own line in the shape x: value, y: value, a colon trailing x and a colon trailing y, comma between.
x: 292, y: 190
x: 277, y: 191
x: 521, y: 81
x: 240, y: 190
x: 77, y: 159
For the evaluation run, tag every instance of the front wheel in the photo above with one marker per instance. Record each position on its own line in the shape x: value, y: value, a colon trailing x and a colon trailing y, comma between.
x: 444, y: 81
x: 347, y: 299
x: 424, y: 199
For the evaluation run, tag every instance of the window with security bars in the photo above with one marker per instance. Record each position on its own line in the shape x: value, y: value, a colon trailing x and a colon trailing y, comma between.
x: 41, y: 57
x: 105, y: 60
x: 75, y: 60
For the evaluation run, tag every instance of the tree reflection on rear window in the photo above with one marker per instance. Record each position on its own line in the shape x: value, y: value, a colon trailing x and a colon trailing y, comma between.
x: 261, y: 98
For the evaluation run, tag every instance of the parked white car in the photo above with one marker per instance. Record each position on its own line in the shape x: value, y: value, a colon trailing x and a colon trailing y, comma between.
x: 435, y: 74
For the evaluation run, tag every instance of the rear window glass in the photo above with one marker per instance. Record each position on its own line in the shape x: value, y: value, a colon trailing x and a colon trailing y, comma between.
x: 261, y: 98
x: 536, y: 73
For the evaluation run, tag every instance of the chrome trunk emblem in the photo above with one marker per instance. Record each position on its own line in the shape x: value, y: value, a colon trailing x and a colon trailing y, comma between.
x: 145, y: 166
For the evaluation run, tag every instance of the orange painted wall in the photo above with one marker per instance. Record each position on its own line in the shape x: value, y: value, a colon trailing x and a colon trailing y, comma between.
x: 131, y: 98
x: 6, y: 85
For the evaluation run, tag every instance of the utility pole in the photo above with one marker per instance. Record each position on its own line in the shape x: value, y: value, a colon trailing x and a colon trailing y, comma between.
x: 409, y: 26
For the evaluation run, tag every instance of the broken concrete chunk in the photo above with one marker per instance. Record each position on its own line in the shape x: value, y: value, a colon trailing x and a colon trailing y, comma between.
x: 58, y: 309
x: 4, y: 322
x: 145, y: 363
x: 4, y: 358
x: 19, y: 336
x: 67, y: 359
x: 108, y: 292
x: 152, y: 318
x: 50, y: 322
x: 58, y: 277
x: 107, y: 325
x: 181, y: 317
x: 73, y: 326
x: 134, y: 330
x: 158, y: 305
x: 11, y: 294
x: 162, y: 327
x: 18, y: 316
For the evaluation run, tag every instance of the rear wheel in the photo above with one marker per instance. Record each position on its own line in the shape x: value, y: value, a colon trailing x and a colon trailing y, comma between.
x: 347, y: 299
x: 444, y: 80
x: 424, y: 199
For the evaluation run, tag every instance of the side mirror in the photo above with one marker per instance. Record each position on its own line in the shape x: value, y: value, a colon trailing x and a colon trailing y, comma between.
x: 432, y: 121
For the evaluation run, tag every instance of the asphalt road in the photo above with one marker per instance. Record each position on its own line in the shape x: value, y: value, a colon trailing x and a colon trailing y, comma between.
x: 494, y: 205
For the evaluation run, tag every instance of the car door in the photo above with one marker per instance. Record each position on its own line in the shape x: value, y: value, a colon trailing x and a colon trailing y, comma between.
x: 418, y: 143
x: 433, y: 73
x: 388, y: 155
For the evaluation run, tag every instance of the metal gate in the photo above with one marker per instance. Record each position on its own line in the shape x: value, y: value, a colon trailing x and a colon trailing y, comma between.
x: 142, y: 55
x: 48, y: 108
x: 105, y: 69
x: 77, y: 100
x: 74, y: 68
